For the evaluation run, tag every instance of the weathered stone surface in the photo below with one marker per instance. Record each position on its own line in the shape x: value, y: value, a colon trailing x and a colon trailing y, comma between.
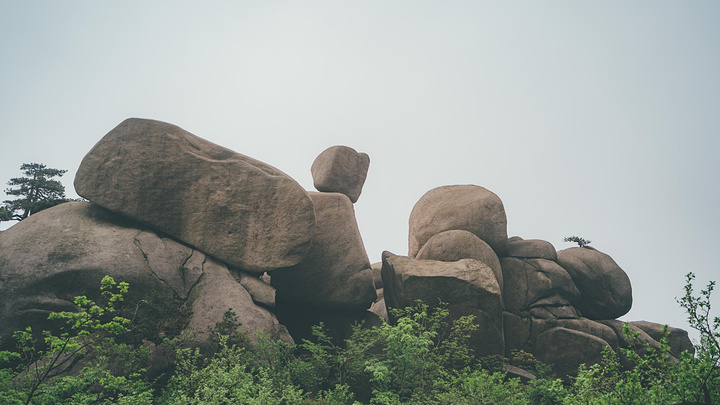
x: 517, y: 332
x: 336, y: 272
x: 261, y: 292
x: 340, y: 169
x: 468, y: 286
x: 594, y: 328
x: 641, y: 342
x: 465, y: 207
x: 64, y: 251
x: 678, y: 339
x: 57, y: 254
x: 235, y: 208
x: 377, y: 277
x: 605, y: 290
x: 566, y: 349
x: 454, y: 245
x: 538, y: 286
x: 531, y: 249
x: 217, y: 292
x: 378, y: 307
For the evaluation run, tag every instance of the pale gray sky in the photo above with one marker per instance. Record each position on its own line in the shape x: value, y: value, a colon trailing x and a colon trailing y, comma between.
x: 592, y: 118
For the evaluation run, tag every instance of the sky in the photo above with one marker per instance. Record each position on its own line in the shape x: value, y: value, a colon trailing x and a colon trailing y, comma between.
x: 597, y: 119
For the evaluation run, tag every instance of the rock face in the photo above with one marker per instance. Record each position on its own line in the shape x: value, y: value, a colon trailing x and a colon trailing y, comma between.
x: 538, y: 286
x: 465, y: 207
x: 336, y: 273
x: 230, y: 206
x: 468, y: 286
x: 218, y: 292
x: 64, y: 251
x: 340, y: 169
x: 451, y: 246
x: 566, y: 349
x: 605, y: 290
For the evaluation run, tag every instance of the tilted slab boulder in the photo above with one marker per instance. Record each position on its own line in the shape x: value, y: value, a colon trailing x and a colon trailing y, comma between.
x: 230, y: 206
x: 57, y: 254
x: 454, y: 245
x: 465, y: 207
x: 468, y: 286
x: 605, y: 290
x: 336, y: 272
x: 340, y: 169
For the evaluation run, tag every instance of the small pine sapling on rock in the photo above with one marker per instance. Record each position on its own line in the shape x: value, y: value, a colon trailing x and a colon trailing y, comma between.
x: 582, y: 242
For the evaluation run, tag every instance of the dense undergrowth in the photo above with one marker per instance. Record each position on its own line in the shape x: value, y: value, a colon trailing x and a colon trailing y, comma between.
x: 424, y: 358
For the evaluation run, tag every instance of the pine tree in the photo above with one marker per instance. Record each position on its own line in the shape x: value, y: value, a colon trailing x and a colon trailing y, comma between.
x: 37, y: 191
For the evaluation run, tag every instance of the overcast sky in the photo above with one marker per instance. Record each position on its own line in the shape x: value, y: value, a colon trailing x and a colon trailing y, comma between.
x: 597, y: 119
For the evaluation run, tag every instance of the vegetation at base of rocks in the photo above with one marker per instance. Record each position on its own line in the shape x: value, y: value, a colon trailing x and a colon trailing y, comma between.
x: 424, y: 358
x: 36, y: 191
x: 582, y: 242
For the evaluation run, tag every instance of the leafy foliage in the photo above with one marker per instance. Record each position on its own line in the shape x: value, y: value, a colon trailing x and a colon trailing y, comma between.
x: 424, y: 358
x: 36, y: 191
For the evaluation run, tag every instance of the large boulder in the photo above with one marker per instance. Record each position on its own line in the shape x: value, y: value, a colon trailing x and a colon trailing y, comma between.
x: 465, y: 207
x: 340, y: 169
x: 336, y: 272
x: 230, y: 206
x: 538, y: 287
x: 454, y: 245
x: 605, y: 290
x: 468, y: 287
x: 63, y: 252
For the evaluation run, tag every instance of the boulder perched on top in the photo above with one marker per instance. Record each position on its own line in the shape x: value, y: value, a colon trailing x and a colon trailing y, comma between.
x: 467, y: 286
x: 454, y: 245
x: 605, y: 290
x: 340, y: 169
x: 235, y: 208
x: 336, y: 272
x: 465, y: 207
x: 63, y: 252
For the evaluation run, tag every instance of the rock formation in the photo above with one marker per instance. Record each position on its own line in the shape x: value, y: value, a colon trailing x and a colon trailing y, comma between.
x: 175, y: 214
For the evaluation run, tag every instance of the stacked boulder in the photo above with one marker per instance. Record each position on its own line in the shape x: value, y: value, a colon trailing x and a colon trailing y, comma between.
x: 456, y: 234
x: 334, y: 283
